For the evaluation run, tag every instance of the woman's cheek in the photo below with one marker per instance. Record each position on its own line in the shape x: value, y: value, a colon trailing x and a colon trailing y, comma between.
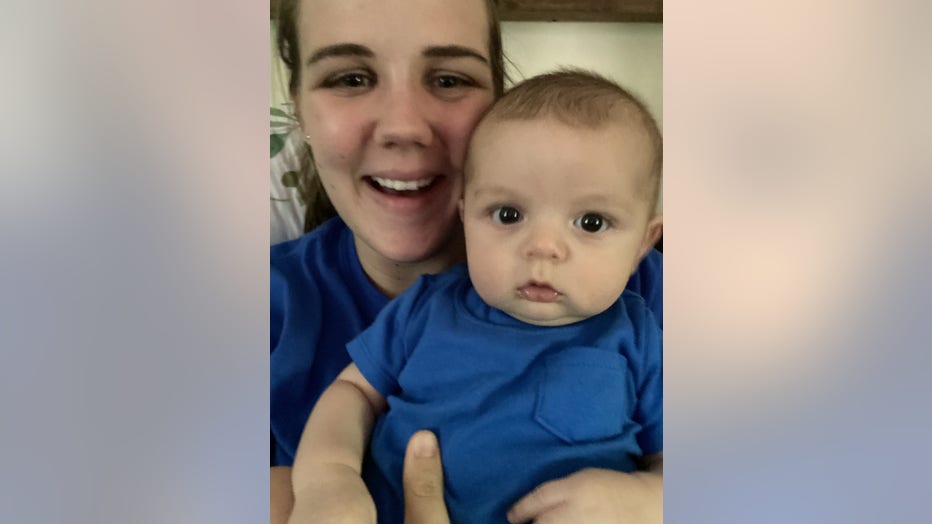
x: 460, y: 129
x: 332, y: 126
x: 335, y: 142
x: 457, y: 138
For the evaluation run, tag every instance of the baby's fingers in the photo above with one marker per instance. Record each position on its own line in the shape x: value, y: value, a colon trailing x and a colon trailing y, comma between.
x: 545, y: 498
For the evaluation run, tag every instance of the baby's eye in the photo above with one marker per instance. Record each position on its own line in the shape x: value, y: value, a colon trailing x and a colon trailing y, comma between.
x: 591, y: 223
x: 506, y: 215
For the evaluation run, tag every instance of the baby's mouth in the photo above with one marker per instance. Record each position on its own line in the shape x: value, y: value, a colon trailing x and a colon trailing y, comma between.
x: 402, y: 187
x: 538, y: 292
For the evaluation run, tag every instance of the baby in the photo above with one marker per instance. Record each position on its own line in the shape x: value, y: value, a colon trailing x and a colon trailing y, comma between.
x: 535, y: 362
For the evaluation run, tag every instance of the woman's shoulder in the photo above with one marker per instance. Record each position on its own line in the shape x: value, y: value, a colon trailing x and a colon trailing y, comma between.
x: 650, y: 270
x: 637, y: 311
x: 647, y: 281
x: 314, y: 261
x: 325, y: 237
x: 323, y: 263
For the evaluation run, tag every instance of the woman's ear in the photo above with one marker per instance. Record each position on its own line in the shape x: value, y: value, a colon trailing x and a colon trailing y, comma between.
x: 651, y: 236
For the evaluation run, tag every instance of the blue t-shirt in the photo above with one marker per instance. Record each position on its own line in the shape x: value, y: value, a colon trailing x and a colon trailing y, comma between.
x: 320, y: 299
x: 513, y: 405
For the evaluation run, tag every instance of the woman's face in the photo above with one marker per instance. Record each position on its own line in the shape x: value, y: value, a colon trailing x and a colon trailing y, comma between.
x: 390, y: 93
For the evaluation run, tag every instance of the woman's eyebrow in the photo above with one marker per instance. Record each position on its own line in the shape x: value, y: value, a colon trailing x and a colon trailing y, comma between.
x: 339, y: 50
x: 453, y: 51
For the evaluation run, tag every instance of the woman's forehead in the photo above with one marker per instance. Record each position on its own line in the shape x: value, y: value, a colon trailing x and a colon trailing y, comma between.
x: 394, y: 25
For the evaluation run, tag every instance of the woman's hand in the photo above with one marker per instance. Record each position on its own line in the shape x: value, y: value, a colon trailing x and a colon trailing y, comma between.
x: 594, y: 495
x: 423, y: 481
x: 590, y: 495
x: 345, y: 499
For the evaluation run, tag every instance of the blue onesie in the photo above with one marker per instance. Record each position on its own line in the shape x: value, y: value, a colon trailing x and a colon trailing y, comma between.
x: 320, y: 299
x: 513, y: 405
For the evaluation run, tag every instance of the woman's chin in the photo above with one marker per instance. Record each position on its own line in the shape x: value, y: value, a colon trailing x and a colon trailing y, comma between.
x: 413, y: 248
x: 409, y: 252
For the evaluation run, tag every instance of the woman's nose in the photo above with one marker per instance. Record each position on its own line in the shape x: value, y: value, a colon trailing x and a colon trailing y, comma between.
x: 403, y: 120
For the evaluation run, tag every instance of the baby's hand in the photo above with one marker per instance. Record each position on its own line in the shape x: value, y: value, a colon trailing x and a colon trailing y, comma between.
x: 336, y: 496
x: 594, y: 495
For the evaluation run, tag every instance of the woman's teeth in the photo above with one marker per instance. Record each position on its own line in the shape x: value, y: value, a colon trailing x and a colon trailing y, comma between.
x: 401, y: 185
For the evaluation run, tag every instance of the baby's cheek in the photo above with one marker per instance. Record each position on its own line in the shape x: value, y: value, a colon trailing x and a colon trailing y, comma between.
x: 602, y: 290
x: 482, y: 277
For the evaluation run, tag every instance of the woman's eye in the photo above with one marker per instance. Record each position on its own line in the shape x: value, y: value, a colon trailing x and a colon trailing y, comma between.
x: 448, y: 81
x: 444, y: 82
x: 506, y: 215
x: 354, y: 81
x: 591, y: 223
x: 350, y: 81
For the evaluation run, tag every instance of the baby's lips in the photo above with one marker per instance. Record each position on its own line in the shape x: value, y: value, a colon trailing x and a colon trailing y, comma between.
x: 538, y: 292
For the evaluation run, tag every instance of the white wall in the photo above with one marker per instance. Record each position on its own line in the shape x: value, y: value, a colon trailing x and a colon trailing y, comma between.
x: 279, y: 90
x: 629, y: 53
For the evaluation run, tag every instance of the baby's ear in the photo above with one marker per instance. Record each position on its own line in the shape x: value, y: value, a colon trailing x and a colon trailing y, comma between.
x: 459, y: 205
x: 651, y: 235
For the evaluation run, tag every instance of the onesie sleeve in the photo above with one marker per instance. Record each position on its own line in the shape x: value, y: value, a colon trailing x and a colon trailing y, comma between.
x: 649, y: 411
x: 381, y: 351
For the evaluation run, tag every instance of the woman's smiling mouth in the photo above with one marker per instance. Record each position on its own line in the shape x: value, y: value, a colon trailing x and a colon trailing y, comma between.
x: 401, y: 187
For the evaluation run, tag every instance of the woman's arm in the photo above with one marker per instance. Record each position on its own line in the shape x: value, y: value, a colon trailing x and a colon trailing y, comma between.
x: 326, y: 479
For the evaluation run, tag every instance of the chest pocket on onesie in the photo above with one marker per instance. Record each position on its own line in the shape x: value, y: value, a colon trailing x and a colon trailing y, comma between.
x: 585, y: 394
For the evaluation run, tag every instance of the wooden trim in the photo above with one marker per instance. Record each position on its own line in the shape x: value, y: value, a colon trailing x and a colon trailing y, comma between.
x: 581, y: 10
x: 568, y: 10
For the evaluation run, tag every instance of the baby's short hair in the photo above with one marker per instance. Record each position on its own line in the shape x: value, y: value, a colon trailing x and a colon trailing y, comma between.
x: 577, y: 97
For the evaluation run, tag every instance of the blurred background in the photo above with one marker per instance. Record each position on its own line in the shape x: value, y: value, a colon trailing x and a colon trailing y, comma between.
x: 134, y: 276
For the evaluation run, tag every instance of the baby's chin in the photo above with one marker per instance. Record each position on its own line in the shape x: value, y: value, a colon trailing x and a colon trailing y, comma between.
x: 544, y: 319
x: 553, y: 314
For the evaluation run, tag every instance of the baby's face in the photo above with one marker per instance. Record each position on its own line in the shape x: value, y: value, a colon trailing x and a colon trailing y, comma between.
x: 555, y: 217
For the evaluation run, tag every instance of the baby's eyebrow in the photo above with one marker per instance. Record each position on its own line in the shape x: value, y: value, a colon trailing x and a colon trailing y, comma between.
x: 453, y: 51
x: 492, y: 191
x: 337, y: 50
